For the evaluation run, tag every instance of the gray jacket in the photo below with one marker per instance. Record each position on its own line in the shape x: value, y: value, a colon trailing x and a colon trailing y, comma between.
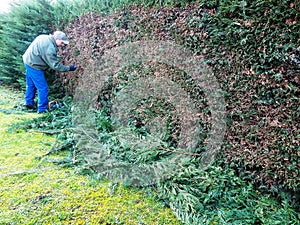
x: 42, y: 54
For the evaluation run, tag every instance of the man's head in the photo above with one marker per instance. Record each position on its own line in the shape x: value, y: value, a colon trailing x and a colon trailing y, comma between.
x: 60, y: 38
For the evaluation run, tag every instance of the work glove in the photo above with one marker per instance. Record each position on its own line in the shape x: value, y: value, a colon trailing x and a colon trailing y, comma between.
x: 72, y: 68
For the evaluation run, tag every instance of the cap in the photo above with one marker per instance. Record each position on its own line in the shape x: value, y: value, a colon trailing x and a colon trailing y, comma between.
x: 61, y: 36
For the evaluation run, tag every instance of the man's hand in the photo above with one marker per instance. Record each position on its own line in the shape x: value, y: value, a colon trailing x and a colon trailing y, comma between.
x: 73, y: 68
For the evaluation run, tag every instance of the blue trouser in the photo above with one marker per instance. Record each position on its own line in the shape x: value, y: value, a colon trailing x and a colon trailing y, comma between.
x: 35, y: 81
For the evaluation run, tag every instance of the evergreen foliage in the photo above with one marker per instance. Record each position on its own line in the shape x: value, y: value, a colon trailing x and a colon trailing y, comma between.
x: 76, y: 8
x: 258, y: 40
x: 256, y: 72
x: 248, y: 44
x: 25, y: 21
x: 217, y: 196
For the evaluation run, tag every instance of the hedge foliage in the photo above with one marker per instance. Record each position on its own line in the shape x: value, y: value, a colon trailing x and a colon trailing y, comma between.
x: 251, y: 47
x: 253, y: 67
x: 25, y: 21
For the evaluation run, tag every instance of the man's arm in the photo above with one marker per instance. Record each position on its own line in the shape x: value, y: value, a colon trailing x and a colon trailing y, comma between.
x: 52, y: 60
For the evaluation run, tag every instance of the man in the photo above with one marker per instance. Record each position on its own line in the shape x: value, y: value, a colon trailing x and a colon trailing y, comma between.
x: 41, y: 55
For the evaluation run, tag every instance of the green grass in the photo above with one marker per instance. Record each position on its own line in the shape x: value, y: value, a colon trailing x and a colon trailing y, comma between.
x: 34, y: 190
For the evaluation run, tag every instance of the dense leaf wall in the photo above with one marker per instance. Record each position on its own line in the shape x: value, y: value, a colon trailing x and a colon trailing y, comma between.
x: 253, y: 66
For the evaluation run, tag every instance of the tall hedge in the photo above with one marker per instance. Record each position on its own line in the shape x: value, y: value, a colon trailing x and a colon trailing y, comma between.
x: 25, y: 21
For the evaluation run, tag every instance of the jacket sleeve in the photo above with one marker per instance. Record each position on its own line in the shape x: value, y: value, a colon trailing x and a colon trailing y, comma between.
x: 51, y: 59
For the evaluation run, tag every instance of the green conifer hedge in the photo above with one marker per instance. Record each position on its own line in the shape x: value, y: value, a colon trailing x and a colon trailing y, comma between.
x: 25, y: 21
